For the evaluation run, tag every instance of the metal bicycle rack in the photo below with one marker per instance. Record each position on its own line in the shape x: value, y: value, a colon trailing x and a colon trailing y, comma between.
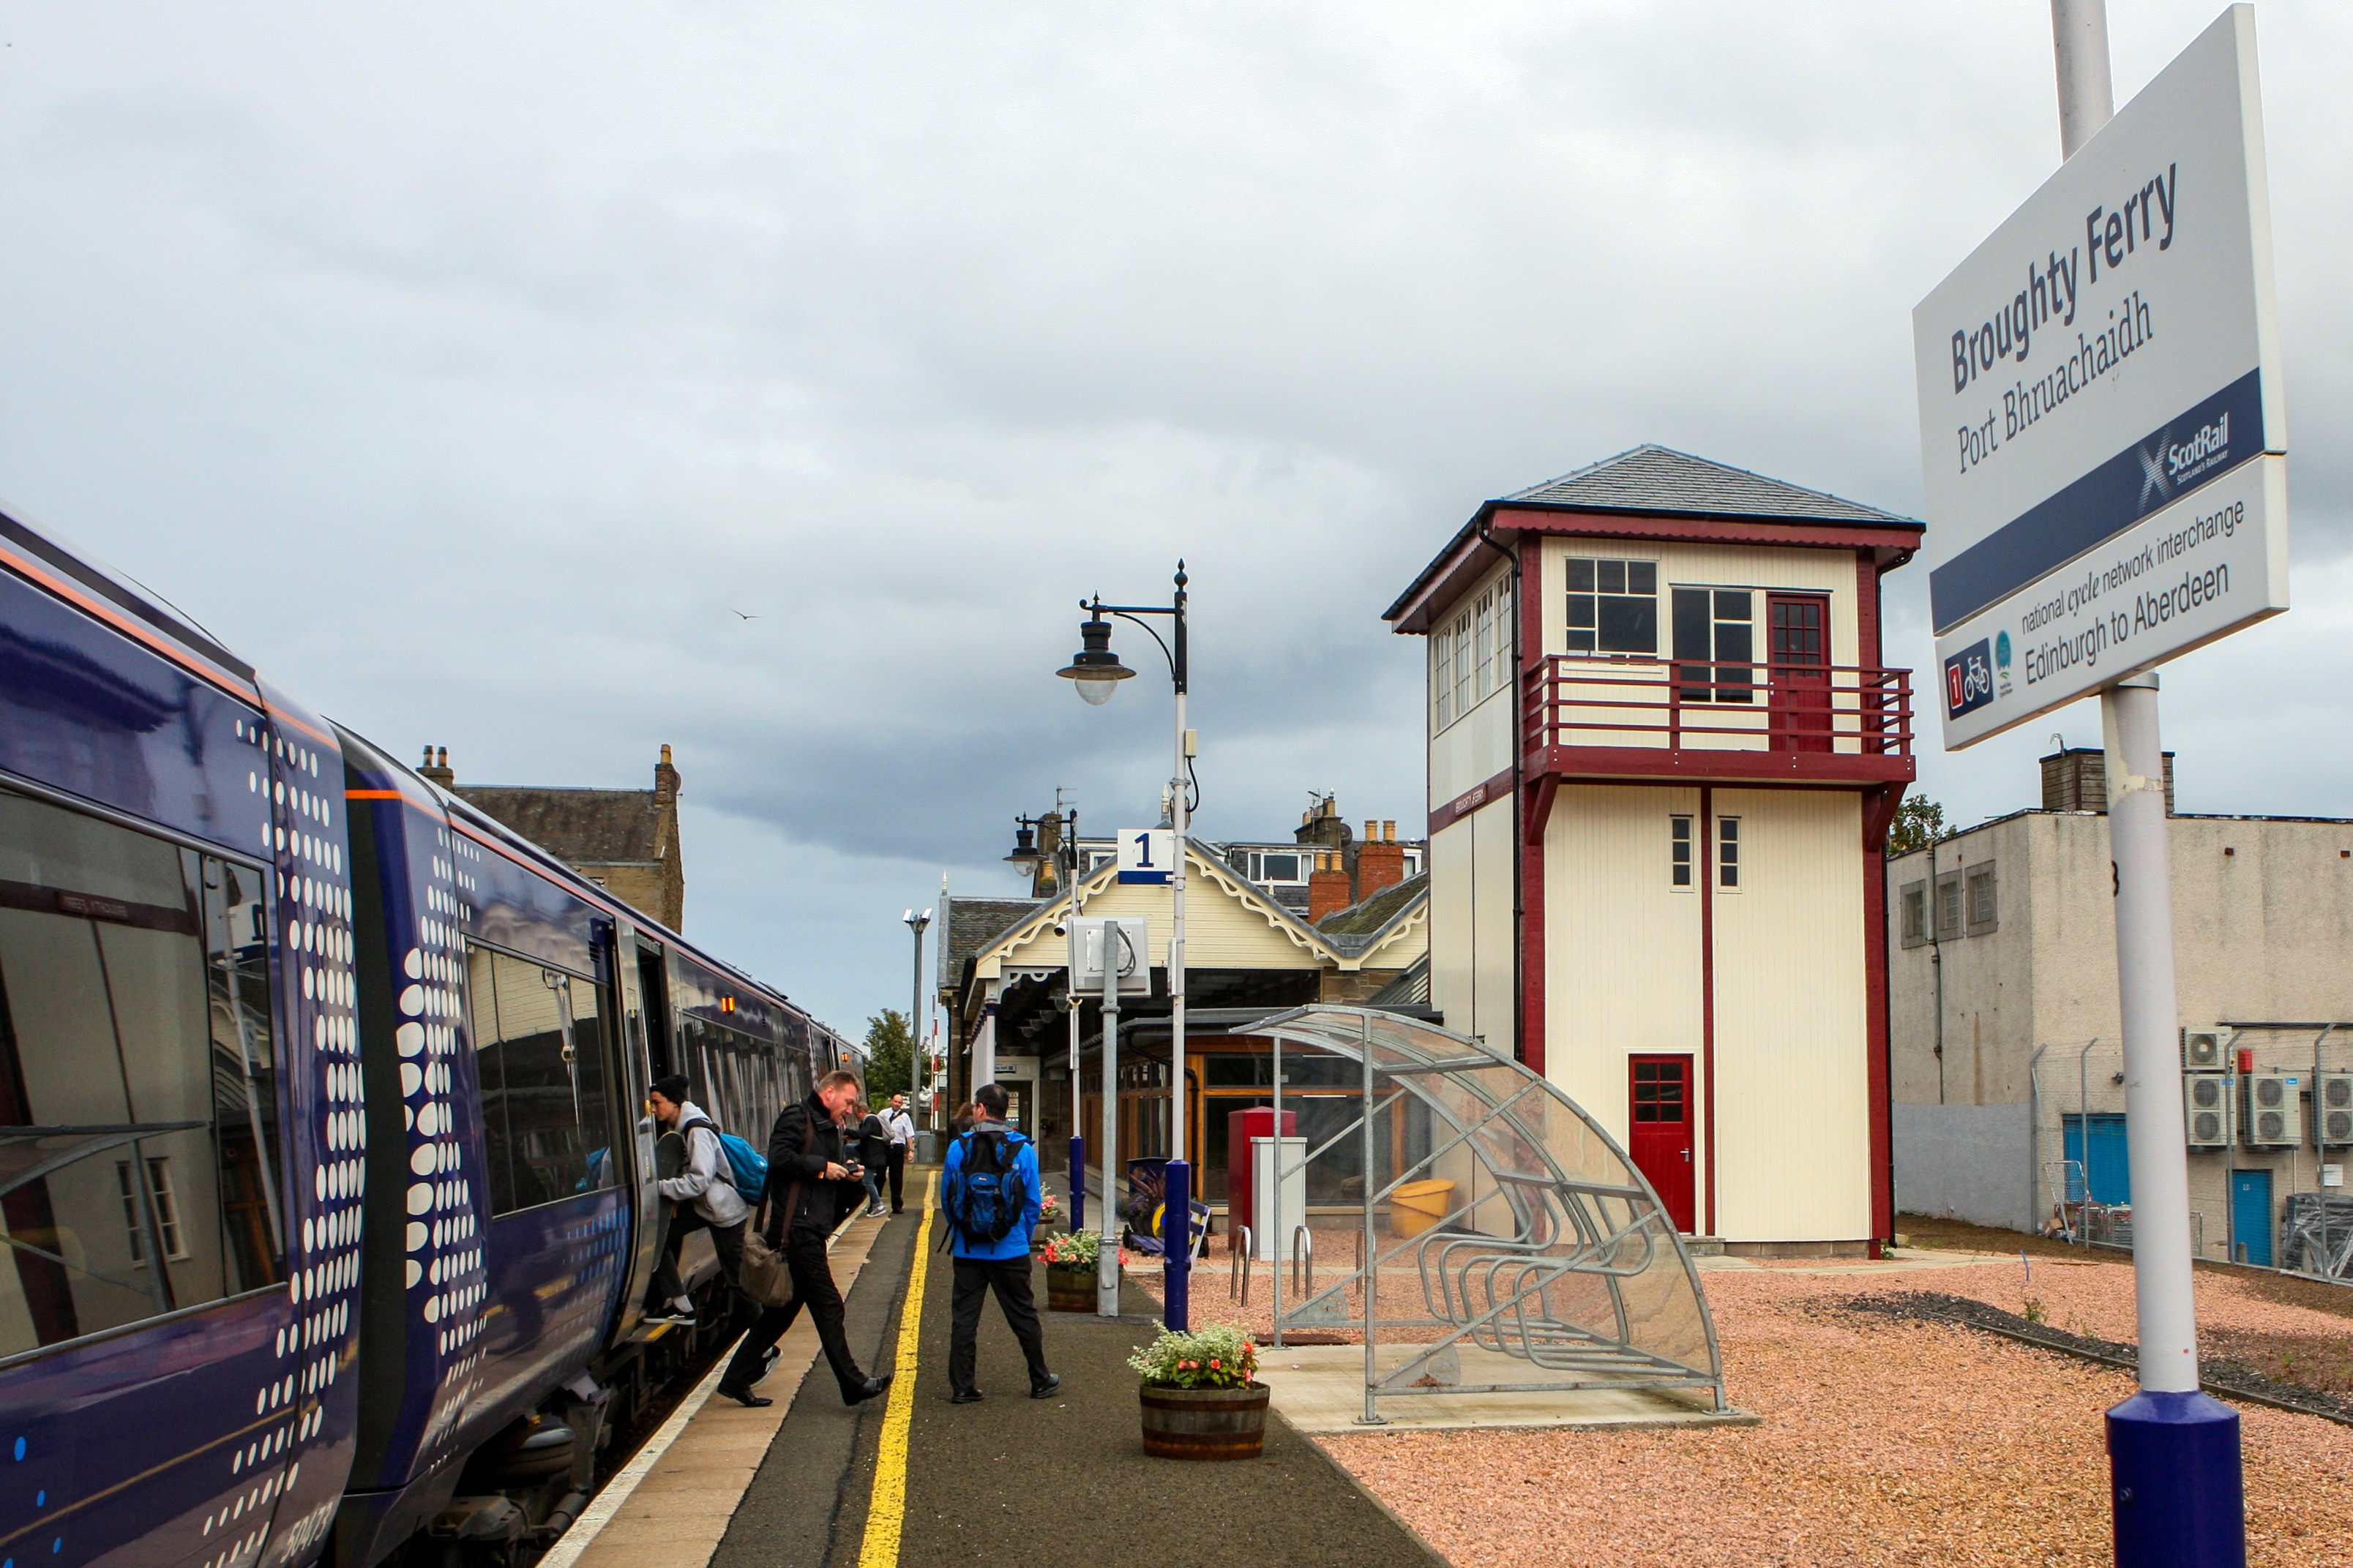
x: 1551, y: 1260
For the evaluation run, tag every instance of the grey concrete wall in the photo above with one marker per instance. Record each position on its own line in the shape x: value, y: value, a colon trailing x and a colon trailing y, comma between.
x: 1966, y: 1162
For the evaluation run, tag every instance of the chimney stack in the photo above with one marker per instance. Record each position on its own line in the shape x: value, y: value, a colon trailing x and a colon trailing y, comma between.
x: 437, y: 771
x: 1327, y: 887
x: 1380, y: 860
x: 2076, y: 779
x: 666, y: 779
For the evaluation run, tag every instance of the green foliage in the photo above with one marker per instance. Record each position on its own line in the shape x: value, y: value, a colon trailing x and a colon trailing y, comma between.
x: 1919, y: 822
x: 1217, y: 1356
x: 891, y: 1060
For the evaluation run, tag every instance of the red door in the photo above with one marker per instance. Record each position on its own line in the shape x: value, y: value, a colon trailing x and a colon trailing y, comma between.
x: 1799, y: 652
x: 1662, y: 1132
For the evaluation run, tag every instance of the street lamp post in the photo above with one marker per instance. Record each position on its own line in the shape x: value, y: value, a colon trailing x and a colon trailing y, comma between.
x: 1096, y: 671
x: 918, y: 1061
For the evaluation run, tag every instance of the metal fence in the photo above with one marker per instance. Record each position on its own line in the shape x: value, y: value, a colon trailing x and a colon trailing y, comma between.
x: 2082, y: 1180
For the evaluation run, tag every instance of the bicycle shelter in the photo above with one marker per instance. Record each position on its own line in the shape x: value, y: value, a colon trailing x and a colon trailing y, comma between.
x: 1506, y: 1223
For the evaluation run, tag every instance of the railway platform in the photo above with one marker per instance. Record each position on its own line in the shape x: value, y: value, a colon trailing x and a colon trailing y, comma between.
x: 914, y: 1480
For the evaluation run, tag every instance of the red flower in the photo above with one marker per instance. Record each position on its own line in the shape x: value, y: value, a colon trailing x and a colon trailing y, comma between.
x: 1215, y: 1365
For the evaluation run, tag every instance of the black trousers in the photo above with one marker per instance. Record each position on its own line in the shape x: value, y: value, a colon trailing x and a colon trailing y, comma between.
x: 898, y: 1176
x: 812, y: 1288
x: 1009, y: 1278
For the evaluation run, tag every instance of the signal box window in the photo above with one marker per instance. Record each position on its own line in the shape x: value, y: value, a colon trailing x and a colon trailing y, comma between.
x: 539, y: 1048
x: 139, y: 1134
x: 1613, y: 606
x: 1715, y: 627
x: 1681, y: 846
x: 1727, y: 853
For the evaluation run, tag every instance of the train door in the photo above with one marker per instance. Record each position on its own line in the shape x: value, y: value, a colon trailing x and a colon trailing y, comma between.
x: 645, y: 1007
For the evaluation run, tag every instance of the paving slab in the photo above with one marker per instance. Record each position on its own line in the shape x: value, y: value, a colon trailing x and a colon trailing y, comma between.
x: 1320, y: 1388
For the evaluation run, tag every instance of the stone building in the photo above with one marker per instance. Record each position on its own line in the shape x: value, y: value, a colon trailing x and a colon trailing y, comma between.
x: 623, y: 840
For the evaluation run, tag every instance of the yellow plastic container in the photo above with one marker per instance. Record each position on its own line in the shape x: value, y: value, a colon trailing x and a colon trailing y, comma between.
x: 1417, y: 1205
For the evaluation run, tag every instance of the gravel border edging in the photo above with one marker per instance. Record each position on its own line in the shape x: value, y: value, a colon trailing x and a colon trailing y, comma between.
x: 2224, y: 1377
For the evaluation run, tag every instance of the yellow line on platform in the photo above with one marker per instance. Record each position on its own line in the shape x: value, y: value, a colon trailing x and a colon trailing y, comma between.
x: 886, y: 1511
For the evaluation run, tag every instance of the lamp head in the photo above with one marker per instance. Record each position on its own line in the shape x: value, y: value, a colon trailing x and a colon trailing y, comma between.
x: 1025, y: 843
x: 1094, y: 670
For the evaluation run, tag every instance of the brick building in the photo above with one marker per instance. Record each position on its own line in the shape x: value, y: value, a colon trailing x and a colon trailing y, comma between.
x: 623, y: 840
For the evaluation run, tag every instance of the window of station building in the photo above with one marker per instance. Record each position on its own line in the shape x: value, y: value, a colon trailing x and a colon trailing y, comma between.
x: 1715, y: 627
x: 1681, y: 846
x: 1613, y: 605
x: 139, y: 1118
x: 1913, y: 901
x: 539, y: 1048
x: 1978, y: 900
x: 1727, y: 853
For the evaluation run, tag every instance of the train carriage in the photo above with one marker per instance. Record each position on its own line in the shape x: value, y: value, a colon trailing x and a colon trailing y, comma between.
x: 324, y: 1169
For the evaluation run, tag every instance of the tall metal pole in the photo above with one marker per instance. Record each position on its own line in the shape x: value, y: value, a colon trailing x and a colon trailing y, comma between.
x: 1107, y: 1259
x: 1176, y: 1184
x: 2176, y: 1485
x: 916, y: 1058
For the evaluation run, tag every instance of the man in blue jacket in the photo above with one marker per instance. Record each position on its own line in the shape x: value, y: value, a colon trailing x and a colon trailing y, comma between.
x: 989, y: 1194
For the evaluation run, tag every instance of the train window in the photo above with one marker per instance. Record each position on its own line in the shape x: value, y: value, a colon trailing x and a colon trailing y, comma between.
x: 539, y: 1050
x: 138, y: 1132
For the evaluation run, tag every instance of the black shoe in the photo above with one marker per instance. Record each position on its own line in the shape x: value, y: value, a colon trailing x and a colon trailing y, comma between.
x: 1046, y: 1390
x: 872, y: 1386
x: 743, y: 1394
x: 965, y: 1396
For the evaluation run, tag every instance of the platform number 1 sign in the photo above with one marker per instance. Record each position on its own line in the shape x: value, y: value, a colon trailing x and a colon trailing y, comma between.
x: 1145, y: 854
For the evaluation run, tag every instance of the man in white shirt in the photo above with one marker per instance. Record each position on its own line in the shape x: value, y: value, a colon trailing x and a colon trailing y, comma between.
x: 901, y: 1129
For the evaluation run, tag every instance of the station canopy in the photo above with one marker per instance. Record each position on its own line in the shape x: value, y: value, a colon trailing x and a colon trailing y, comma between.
x: 1516, y: 1247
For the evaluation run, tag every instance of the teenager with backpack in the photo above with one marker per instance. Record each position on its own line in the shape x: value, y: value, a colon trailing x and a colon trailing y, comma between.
x: 702, y: 1194
x: 989, y: 1192
x: 811, y: 1183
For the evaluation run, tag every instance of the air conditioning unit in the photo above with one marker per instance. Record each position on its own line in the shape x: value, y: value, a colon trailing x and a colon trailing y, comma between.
x: 2332, y: 1108
x: 2201, y: 1051
x: 2274, y: 1111
x: 2206, y: 1106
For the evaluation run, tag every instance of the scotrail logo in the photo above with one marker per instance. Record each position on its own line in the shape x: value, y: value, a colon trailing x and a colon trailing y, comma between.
x: 2169, y: 466
x: 1968, y: 680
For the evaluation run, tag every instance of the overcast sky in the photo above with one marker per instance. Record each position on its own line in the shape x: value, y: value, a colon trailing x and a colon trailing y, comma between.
x: 476, y: 369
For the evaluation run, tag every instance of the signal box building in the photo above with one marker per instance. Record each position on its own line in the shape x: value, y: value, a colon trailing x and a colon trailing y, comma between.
x: 1664, y: 750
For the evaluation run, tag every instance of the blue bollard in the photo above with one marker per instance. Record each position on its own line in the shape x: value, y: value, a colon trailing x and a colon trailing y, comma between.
x: 1176, y: 1241
x: 1078, y: 1184
x: 2173, y: 1473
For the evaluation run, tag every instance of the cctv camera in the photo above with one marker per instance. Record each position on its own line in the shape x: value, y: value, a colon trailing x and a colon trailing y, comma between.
x: 1061, y: 930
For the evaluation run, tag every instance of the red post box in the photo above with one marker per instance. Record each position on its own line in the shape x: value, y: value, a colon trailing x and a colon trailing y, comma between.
x: 1243, y: 1128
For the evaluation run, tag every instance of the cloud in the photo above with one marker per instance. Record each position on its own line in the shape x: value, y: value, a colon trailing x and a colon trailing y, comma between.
x: 469, y: 368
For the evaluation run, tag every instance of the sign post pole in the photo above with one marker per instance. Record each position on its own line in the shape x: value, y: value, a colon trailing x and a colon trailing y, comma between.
x: 1107, y: 1259
x: 2175, y: 1479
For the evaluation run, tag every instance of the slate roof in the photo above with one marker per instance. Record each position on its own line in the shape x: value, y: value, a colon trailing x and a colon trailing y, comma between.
x: 1659, y: 479
x: 970, y: 925
x: 1358, y: 927
x: 579, y: 826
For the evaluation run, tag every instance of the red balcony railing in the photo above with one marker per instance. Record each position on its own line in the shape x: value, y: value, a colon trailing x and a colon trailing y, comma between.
x: 1801, y: 711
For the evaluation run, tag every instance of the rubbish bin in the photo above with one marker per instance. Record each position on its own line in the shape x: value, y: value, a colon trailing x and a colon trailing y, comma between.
x: 1417, y: 1205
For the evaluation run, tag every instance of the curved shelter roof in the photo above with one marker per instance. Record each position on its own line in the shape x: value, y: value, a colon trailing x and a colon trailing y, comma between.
x: 1515, y: 1245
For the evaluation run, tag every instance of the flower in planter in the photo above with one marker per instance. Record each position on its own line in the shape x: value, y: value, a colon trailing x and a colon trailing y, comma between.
x: 1076, y: 1251
x: 1217, y: 1355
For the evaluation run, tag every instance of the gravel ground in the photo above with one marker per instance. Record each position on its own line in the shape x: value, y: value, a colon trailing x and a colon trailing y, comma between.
x: 1885, y: 1442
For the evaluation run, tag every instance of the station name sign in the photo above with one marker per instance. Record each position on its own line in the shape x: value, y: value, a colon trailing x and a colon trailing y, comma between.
x: 2101, y: 419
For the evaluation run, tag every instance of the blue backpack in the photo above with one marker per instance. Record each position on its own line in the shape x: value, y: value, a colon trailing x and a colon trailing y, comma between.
x: 986, y: 1198
x: 746, y: 1169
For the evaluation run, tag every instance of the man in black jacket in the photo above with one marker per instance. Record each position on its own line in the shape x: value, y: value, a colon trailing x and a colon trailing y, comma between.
x: 809, y: 1187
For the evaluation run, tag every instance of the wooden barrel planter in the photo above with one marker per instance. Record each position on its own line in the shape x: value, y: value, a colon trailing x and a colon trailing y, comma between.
x: 1071, y: 1290
x: 1205, y: 1423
